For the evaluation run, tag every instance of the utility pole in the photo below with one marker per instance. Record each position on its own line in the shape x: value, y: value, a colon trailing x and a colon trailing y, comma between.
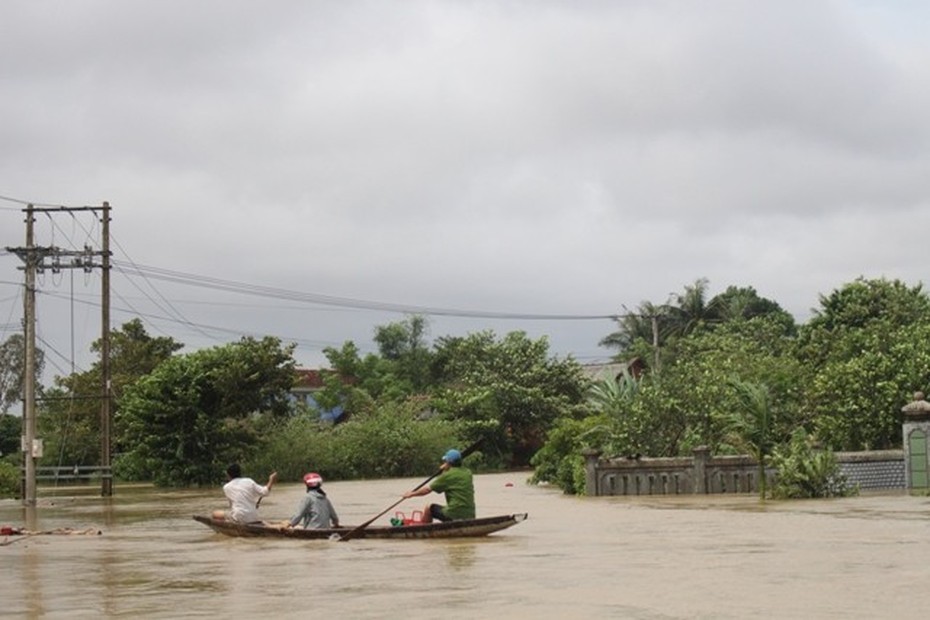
x: 655, y: 340
x: 38, y: 259
x: 29, y: 369
x: 106, y: 489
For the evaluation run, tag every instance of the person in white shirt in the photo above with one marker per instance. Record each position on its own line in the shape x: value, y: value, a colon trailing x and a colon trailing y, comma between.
x: 244, y: 495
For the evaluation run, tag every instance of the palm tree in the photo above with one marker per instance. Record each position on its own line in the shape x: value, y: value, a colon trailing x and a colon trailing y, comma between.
x: 633, y: 326
x: 691, y: 310
x: 656, y: 325
x: 752, y: 423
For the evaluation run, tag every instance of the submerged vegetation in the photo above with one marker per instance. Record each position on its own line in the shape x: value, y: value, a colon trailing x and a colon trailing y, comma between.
x: 733, y: 372
x: 805, y: 470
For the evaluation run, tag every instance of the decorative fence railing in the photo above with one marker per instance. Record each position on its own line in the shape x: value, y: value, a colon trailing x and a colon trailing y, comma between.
x: 703, y: 473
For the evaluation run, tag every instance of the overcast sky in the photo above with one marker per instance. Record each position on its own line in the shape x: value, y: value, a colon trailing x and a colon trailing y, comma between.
x: 530, y: 158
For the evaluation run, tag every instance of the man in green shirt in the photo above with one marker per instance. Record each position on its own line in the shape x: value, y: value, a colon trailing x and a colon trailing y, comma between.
x: 456, y: 482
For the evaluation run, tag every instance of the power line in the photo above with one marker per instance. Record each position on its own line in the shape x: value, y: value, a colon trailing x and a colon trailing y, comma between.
x: 189, y: 279
x: 314, y: 298
x: 171, y: 308
x: 149, y: 273
x: 44, y: 205
x: 319, y: 344
x: 48, y: 346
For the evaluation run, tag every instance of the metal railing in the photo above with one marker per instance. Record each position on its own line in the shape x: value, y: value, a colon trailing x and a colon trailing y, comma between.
x: 72, y: 473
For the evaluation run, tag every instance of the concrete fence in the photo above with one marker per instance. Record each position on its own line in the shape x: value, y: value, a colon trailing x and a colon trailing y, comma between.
x: 704, y: 473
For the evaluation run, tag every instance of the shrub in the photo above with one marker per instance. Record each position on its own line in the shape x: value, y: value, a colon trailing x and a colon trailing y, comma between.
x: 560, y: 461
x: 389, y: 442
x: 9, y: 480
x: 803, y: 471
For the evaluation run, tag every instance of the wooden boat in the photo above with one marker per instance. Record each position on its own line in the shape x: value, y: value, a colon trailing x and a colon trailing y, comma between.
x: 437, y: 529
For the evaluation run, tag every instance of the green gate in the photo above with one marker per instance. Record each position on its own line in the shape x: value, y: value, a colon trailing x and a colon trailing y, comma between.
x: 917, y: 451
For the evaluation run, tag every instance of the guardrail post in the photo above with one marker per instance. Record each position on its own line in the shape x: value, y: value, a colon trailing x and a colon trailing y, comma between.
x: 699, y: 475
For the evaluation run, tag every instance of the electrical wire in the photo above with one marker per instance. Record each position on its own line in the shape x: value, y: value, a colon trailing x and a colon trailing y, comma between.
x: 171, y: 309
x: 243, y: 288
x: 148, y: 273
x: 47, y: 346
x: 317, y: 344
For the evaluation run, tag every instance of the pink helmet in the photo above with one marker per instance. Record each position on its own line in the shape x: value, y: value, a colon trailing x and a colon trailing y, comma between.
x: 313, y: 480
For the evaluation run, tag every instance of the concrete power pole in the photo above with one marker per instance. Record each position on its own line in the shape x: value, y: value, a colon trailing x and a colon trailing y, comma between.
x: 35, y: 259
x: 31, y: 258
x: 106, y: 489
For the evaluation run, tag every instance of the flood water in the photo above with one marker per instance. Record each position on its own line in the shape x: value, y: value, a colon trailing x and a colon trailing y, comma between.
x: 643, y: 558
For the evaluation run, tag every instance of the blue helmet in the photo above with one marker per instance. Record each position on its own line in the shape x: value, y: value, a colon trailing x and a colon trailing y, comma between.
x: 452, y: 457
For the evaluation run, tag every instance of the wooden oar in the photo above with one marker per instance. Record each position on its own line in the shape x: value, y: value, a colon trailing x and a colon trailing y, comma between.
x: 353, y: 533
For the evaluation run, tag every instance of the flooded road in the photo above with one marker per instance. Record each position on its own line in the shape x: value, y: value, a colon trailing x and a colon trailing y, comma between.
x: 641, y: 558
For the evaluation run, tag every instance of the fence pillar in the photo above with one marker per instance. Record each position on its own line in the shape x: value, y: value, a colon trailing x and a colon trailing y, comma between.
x: 590, y: 471
x: 699, y: 475
x: 916, y: 429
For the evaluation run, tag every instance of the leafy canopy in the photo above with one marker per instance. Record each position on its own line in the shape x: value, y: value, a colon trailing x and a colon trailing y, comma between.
x: 12, y: 363
x: 509, y: 387
x: 70, y: 418
x: 865, y: 353
x: 195, y: 413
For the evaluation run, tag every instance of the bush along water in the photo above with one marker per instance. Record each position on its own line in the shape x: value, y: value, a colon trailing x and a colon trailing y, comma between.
x: 9, y: 480
x: 805, y: 471
x: 387, y: 442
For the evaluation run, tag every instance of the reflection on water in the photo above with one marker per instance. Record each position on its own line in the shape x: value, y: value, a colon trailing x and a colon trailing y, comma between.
x: 640, y: 557
x: 460, y: 555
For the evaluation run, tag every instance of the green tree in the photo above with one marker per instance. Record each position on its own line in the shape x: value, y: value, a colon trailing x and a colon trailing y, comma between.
x: 560, y: 460
x: 195, y: 413
x: 858, y: 305
x: 743, y: 303
x: 690, y: 404
x: 865, y: 353
x: 634, y: 327
x: 509, y: 390
x: 691, y: 311
x: 656, y: 422
x: 11, y: 430
x: 9, y: 480
x: 758, y: 350
x: 70, y: 416
x: 652, y: 331
x: 752, y: 423
x: 372, y: 374
x: 404, y: 344
x: 12, y: 363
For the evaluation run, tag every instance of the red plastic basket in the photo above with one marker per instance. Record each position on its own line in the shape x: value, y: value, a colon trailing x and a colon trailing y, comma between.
x: 415, y: 518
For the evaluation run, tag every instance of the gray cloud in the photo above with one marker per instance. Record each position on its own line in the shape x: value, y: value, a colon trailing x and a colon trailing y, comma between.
x: 526, y: 157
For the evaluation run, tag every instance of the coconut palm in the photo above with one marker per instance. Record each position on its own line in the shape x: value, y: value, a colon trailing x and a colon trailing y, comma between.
x: 691, y: 310
x: 752, y: 422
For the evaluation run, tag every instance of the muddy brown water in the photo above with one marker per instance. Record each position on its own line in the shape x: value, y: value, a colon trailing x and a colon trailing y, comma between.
x: 643, y: 558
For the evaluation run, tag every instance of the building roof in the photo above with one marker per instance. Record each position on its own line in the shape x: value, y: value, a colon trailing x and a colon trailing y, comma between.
x: 613, y: 370
x: 310, y: 379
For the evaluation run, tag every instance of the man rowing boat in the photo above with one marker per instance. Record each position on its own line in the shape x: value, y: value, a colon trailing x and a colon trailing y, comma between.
x: 457, y: 484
